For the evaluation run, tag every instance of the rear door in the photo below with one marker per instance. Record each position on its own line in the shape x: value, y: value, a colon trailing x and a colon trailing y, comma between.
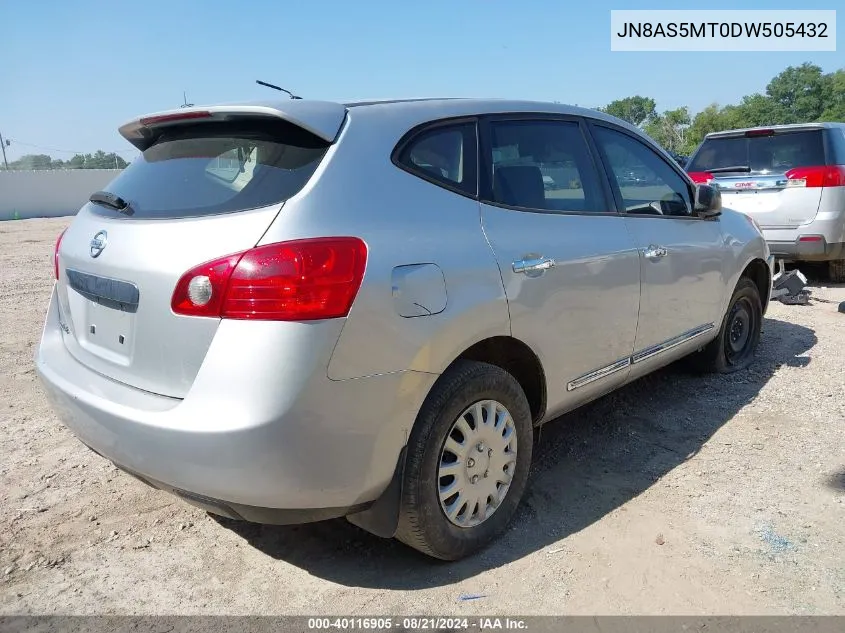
x: 199, y: 192
x: 569, y: 267
x: 760, y: 173
x: 681, y: 256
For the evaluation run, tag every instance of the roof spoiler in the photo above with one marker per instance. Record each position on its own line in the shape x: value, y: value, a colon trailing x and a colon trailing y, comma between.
x: 765, y: 130
x: 322, y: 118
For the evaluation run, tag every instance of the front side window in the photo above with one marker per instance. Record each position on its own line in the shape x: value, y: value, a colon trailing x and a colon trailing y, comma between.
x: 646, y: 182
x: 445, y: 154
x: 544, y: 165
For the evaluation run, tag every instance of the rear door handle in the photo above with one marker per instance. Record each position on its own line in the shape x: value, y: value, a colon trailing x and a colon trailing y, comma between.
x: 533, y: 265
x: 655, y: 252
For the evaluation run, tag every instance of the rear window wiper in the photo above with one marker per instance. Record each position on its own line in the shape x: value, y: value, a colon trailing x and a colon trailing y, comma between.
x: 111, y: 201
x: 721, y: 170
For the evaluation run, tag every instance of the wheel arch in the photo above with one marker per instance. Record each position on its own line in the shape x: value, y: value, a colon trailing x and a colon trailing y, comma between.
x: 759, y: 272
x: 506, y: 352
x: 519, y: 360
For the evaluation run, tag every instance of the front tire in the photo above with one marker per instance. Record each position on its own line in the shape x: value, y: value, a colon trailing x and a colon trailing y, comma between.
x: 735, y: 346
x: 467, y: 462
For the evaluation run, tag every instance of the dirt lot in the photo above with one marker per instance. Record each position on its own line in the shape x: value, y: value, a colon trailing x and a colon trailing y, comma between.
x: 677, y: 495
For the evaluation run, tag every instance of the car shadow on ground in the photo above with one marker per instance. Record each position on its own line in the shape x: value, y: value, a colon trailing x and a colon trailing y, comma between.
x: 837, y: 481
x: 586, y: 464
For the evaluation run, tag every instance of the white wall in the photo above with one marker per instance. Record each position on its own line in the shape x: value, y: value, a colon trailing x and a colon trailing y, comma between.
x: 53, y: 193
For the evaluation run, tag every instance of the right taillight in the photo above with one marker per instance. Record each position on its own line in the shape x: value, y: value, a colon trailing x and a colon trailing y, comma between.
x: 56, y: 254
x: 822, y: 176
x: 701, y: 177
x: 300, y: 280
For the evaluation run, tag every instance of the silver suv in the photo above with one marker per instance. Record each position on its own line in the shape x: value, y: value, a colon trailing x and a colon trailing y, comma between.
x: 790, y: 179
x: 288, y: 312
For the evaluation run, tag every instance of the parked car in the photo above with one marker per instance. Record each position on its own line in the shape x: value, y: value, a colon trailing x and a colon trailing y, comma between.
x: 296, y: 311
x: 790, y: 179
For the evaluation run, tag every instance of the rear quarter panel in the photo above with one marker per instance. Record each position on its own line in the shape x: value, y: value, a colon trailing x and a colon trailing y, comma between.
x: 832, y: 211
x: 405, y: 221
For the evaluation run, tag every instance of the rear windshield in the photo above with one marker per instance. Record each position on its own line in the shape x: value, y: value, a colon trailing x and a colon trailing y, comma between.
x: 775, y: 154
x: 212, y: 168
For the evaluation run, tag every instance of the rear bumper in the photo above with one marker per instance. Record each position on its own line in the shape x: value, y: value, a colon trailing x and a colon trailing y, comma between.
x: 241, y: 512
x: 798, y: 250
x: 827, y: 231
x: 262, y: 435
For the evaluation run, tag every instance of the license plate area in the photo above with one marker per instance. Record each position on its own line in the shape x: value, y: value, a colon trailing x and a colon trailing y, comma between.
x: 103, y: 314
x: 752, y: 201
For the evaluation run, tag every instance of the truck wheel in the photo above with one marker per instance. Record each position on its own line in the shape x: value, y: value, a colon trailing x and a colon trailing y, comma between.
x: 836, y: 271
x: 467, y: 462
x: 734, y: 348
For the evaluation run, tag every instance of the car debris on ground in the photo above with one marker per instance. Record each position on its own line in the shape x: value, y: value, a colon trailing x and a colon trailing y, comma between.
x: 790, y: 287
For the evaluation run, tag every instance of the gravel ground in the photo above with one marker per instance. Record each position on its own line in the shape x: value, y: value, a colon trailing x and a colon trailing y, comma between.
x: 676, y: 495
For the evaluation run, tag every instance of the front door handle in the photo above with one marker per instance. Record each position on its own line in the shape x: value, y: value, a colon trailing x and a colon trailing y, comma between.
x: 655, y: 252
x: 533, y: 265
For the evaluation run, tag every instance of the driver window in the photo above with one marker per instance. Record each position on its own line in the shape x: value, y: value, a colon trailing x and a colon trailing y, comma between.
x: 648, y: 185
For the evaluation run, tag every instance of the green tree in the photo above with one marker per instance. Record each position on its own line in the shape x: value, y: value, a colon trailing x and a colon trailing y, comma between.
x: 669, y: 128
x: 635, y: 110
x: 100, y: 160
x: 800, y: 92
x: 760, y: 109
x: 30, y: 162
x: 77, y: 162
x: 835, y: 102
x: 97, y: 160
x: 710, y: 119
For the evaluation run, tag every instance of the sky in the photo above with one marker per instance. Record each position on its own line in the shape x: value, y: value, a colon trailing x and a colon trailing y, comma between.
x: 71, y: 72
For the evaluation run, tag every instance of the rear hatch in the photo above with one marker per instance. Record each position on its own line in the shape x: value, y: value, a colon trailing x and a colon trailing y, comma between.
x: 769, y: 174
x: 207, y: 184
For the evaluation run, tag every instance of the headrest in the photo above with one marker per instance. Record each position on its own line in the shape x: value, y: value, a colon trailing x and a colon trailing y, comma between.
x: 519, y: 186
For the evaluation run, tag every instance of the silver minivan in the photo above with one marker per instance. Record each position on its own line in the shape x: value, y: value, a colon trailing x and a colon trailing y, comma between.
x: 293, y: 311
x: 790, y: 179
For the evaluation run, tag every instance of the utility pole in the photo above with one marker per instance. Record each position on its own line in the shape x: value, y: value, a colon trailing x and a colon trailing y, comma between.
x: 3, y: 145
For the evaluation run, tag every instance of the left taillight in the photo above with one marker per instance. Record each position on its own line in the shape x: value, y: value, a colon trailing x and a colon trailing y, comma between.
x: 56, y: 254
x: 299, y: 280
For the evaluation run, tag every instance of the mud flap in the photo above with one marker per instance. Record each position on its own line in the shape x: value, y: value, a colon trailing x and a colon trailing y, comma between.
x: 382, y: 517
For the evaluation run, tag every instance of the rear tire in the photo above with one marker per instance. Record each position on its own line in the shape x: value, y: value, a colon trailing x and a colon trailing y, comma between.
x: 836, y: 271
x: 447, y: 439
x: 735, y: 346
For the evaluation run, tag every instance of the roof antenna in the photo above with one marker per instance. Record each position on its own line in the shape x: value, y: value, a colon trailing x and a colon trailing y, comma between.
x: 264, y: 83
x: 185, y: 103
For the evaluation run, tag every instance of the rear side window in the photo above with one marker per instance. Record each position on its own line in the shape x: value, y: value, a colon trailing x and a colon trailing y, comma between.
x: 213, y: 168
x: 446, y: 154
x: 773, y: 154
x: 544, y: 165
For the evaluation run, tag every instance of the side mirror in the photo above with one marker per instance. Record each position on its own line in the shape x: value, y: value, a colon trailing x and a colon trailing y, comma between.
x: 708, y: 201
